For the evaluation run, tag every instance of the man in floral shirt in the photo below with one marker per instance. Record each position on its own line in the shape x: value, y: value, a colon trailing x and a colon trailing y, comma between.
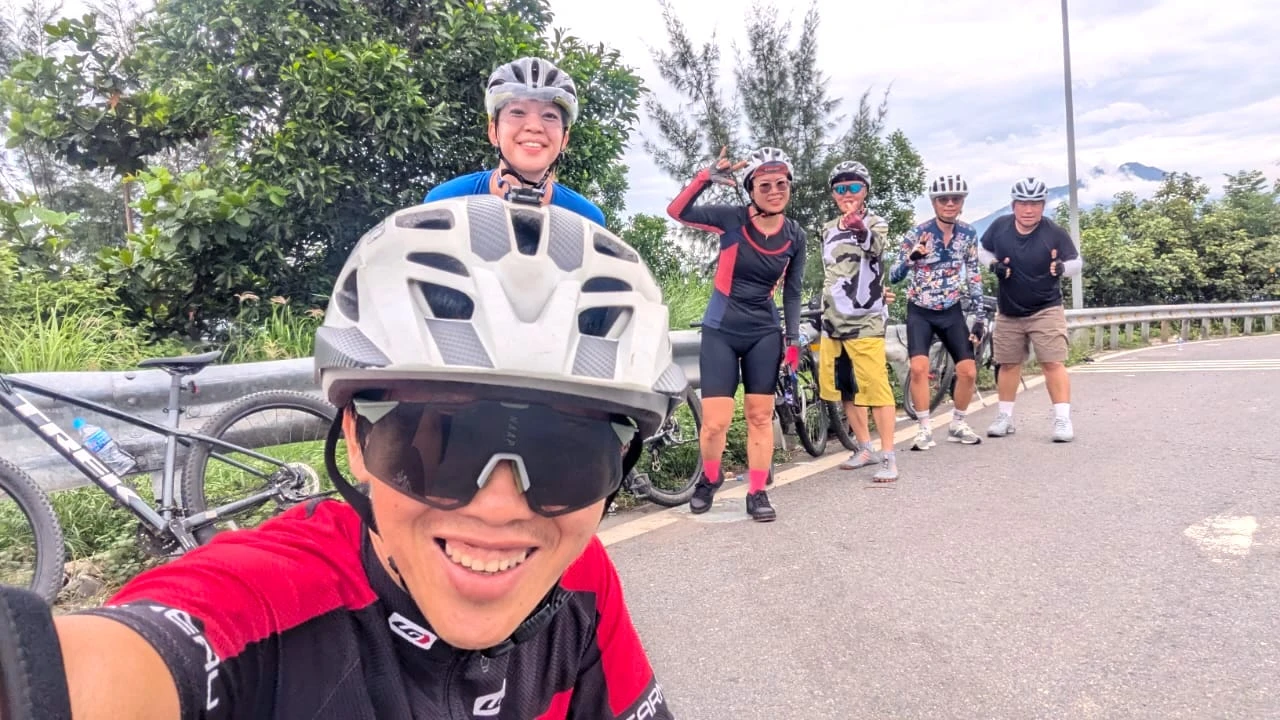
x: 939, y: 260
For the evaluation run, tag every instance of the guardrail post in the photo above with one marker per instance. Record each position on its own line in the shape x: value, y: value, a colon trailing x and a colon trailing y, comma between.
x: 1128, y: 332
x: 1248, y: 325
x: 1206, y: 327
x: 1146, y: 332
x: 1115, y: 337
x: 1186, y: 330
x: 1228, y: 324
x: 1099, y: 333
x: 1267, y: 323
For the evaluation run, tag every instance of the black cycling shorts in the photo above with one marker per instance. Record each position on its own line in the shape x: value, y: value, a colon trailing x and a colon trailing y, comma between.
x: 948, y: 325
x: 725, y: 359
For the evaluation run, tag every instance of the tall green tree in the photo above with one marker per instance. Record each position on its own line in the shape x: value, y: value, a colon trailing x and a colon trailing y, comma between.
x: 780, y: 98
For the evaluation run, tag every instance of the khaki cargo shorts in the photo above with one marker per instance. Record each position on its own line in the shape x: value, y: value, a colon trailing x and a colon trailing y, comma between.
x: 1046, y: 331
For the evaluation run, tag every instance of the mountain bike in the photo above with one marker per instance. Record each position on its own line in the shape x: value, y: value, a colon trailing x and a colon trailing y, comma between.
x: 798, y: 405
x: 227, y: 481
x: 654, y: 478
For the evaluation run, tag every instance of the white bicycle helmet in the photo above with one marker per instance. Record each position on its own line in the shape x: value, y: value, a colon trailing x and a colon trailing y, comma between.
x: 500, y: 300
x: 948, y: 185
x: 534, y: 79
x: 849, y: 170
x: 1029, y: 189
x: 766, y: 158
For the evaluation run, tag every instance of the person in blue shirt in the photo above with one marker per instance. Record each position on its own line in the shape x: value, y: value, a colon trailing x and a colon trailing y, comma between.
x: 531, y: 104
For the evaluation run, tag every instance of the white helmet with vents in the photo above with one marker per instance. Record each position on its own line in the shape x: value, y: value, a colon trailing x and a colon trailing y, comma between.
x: 848, y: 170
x: 948, y: 185
x: 503, y: 300
x: 535, y: 79
x: 1029, y: 189
x: 766, y: 158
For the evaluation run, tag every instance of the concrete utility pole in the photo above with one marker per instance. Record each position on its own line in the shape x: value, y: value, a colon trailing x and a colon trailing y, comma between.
x: 1077, y: 282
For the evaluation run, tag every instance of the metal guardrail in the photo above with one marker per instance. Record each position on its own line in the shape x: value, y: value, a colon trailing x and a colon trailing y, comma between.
x: 145, y: 392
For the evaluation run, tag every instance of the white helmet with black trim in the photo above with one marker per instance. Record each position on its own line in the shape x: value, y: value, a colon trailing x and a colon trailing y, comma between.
x: 948, y: 185
x: 849, y: 170
x: 501, y: 300
x: 535, y: 79
x: 1029, y: 188
x: 769, y: 159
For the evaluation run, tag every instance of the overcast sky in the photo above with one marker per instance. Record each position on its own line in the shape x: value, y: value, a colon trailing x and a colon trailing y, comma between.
x: 1182, y: 85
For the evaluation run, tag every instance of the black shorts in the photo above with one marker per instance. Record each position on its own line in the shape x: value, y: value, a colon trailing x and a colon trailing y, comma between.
x: 948, y: 325
x: 725, y: 359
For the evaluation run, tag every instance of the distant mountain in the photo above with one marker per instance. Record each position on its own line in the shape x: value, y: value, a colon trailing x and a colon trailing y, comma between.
x: 1101, y: 185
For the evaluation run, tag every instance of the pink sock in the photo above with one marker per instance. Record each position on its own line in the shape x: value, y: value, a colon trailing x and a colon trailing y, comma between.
x: 712, y: 470
x: 757, y: 479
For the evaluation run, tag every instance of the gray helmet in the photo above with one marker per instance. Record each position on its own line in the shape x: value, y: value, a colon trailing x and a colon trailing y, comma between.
x: 948, y: 185
x: 848, y: 170
x: 532, y: 304
x: 765, y: 157
x: 534, y: 79
x: 1029, y: 189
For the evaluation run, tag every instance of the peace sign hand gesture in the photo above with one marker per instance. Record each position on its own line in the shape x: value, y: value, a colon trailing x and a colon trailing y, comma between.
x: 722, y: 172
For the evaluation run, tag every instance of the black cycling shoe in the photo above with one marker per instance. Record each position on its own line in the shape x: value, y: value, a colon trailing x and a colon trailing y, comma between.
x: 758, y: 507
x: 703, y: 493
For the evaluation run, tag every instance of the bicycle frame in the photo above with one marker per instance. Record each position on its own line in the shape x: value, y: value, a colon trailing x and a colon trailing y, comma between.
x: 166, y: 519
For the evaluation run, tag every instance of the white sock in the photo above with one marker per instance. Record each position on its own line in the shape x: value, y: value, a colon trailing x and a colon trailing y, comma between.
x: 923, y: 417
x: 957, y: 417
x: 1006, y: 408
x: 1062, y: 410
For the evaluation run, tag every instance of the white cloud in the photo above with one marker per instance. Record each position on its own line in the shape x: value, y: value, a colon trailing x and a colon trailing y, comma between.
x: 977, y: 84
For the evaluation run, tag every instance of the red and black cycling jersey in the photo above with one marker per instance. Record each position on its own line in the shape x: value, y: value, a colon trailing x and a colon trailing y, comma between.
x: 298, y: 619
x: 750, y: 265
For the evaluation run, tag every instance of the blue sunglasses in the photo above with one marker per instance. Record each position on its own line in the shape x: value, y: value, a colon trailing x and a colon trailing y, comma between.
x: 849, y: 188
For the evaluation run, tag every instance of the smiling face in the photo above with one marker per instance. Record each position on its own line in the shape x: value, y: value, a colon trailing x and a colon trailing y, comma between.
x: 947, y: 207
x: 530, y: 134
x: 1027, y: 213
x: 771, y: 190
x: 478, y: 571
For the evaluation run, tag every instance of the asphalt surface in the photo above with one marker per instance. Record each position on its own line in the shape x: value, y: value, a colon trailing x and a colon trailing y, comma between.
x: 1133, y: 573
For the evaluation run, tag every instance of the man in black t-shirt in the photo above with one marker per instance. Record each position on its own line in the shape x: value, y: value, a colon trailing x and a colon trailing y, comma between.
x: 1029, y: 255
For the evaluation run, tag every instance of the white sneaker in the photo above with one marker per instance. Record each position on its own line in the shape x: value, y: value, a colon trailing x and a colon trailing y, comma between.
x: 1062, y: 430
x: 1002, y: 426
x: 924, y: 439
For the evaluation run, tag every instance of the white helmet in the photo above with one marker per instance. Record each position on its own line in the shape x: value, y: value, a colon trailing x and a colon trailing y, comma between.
x: 948, y: 185
x: 764, y: 158
x: 849, y: 169
x: 511, y: 301
x: 1029, y: 189
x: 534, y: 79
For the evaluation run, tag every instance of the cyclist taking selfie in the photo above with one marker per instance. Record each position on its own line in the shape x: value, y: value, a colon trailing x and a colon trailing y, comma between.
x: 489, y: 408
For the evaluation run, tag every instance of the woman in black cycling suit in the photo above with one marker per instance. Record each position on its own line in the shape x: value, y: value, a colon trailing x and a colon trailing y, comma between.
x: 741, y: 340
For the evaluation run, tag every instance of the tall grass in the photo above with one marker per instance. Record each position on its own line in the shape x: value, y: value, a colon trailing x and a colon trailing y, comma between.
x: 686, y: 300
x: 68, y: 336
x: 278, y: 333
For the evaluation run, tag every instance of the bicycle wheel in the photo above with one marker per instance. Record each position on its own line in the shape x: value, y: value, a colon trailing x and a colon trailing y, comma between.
x: 840, y: 425
x: 813, y: 422
x: 941, y: 370
x: 31, y: 546
x: 675, y: 459
x: 288, y: 428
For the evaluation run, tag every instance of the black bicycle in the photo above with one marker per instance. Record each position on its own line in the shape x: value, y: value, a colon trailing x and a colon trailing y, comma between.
x: 798, y: 404
x: 228, y: 480
x: 942, y: 369
x: 671, y: 462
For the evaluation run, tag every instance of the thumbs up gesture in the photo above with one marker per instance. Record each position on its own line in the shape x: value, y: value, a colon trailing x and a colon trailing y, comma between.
x: 1056, y: 266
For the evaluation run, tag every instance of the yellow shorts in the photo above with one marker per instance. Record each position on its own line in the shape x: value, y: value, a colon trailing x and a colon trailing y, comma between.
x: 869, y: 371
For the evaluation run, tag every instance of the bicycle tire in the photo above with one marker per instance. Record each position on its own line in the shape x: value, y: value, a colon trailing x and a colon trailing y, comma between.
x: 840, y: 425
x: 812, y: 445
x: 34, y: 503
x: 679, y: 497
x: 193, y: 473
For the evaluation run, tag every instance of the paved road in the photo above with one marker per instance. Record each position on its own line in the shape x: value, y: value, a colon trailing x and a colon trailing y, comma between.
x: 1134, y: 573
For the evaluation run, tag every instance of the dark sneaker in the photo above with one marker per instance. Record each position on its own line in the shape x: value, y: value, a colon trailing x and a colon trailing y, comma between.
x: 703, y: 493
x: 758, y: 507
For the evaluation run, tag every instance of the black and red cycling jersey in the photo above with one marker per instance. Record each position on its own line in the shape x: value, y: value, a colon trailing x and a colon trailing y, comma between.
x: 750, y: 265
x: 298, y: 619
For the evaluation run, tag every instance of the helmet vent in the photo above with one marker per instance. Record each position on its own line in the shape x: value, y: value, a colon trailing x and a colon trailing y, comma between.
x: 528, y: 227
x: 440, y: 261
x: 605, y: 322
x: 609, y: 246
x: 446, y: 303
x: 348, y: 297
x: 606, y: 284
x: 433, y: 219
